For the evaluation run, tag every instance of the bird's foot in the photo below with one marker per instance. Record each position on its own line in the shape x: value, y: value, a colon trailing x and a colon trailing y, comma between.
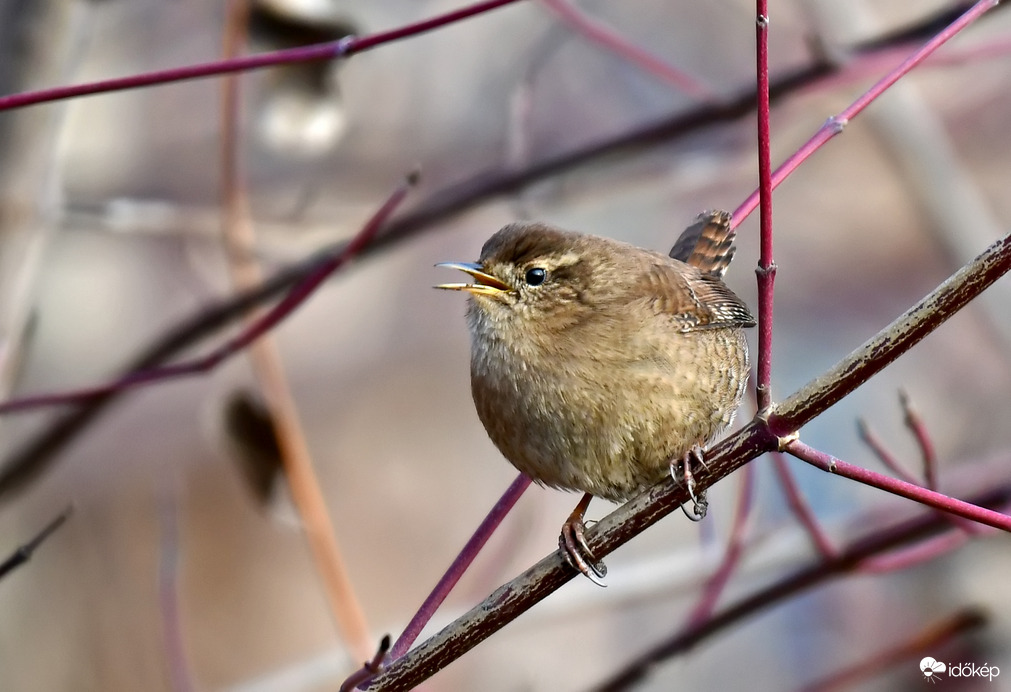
x: 682, y: 470
x: 572, y: 543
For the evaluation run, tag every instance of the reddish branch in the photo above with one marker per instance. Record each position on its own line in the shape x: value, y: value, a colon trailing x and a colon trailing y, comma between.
x: 905, y: 653
x: 966, y: 510
x: 766, y: 265
x: 257, y: 328
x: 343, y: 48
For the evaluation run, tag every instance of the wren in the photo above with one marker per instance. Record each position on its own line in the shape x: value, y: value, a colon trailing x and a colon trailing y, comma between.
x: 596, y: 365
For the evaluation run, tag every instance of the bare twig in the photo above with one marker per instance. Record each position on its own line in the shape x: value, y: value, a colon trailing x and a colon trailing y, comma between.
x: 936, y: 635
x: 827, y: 462
x: 460, y: 564
x: 240, y: 240
x: 874, y: 443
x: 24, y: 553
x: 835, y: 125
x: 716, y: 583
x: 258, y: 328
x: 928, y: 456
x: 343, y: 48
x: 817, y: 573
x: 603, y: 35
x: 801, y: 510
x: 766, y: 270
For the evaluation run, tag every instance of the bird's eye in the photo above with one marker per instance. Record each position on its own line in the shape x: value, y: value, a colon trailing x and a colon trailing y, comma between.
x: 535, y: 276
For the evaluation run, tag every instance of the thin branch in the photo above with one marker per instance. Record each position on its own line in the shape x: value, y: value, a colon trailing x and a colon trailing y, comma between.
x: 343, y: 48
x: 766, y: 270
x: 460, y: 564
x: 799, y: 507
x: 926, y: 450
x: 889, y: 460
x: 24, y: 553
x: 716, y: 583
x: 817, y: 573
x: 240, y: 242
x: 928, y: 640
x: 928, y: 456
x: 835, y: 125
x: 603, y: 35
x: 931, y: 498
x: 930, y: 549
x: 258, y: 328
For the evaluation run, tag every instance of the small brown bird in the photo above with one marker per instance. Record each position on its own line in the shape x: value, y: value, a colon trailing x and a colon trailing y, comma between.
x: 596, y: 365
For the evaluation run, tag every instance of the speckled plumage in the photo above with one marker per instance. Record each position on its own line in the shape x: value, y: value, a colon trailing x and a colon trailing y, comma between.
x: 619, y: 362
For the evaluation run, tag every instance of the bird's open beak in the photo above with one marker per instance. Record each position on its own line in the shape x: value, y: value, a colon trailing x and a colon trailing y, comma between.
x: 484, y: 283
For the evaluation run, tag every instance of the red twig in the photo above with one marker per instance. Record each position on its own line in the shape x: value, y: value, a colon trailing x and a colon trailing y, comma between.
x: 343, y: 48
x: 370, y: 668
x: 766, y: 270
x: 926, y: 450
x: 603, y: 35
x: 917, y: 554
x: 827, y: 462
x: 835, y: 124
x: 298, y: 294
x: 798, y: 505
x: 703, y: 610
x: 179, y: 669
x: 905, y: 653
x: 460, y: 565
x: 916, y: 425
x: 869, y: 438
x: 447, y: 582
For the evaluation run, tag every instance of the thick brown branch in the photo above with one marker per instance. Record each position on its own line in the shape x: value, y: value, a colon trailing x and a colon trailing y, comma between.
x: 888, y: 344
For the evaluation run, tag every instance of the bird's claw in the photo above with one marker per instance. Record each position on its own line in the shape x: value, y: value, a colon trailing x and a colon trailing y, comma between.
x: 572, y: 543
x: 700, y: 504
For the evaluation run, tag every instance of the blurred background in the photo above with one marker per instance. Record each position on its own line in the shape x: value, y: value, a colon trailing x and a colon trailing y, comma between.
x: 173, y: 573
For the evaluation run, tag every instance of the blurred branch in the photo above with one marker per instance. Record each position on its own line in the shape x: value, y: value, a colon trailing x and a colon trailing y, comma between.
x: 927, y: 641
x: 603, y: 35
x: 24, y: 553
x: 240, y: 243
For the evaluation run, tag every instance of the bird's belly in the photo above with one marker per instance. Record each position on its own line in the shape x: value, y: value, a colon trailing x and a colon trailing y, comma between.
x: 569, y: 428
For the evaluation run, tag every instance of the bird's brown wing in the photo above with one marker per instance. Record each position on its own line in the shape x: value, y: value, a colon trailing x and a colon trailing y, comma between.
x: 694, y: 300
x: 708, y: 244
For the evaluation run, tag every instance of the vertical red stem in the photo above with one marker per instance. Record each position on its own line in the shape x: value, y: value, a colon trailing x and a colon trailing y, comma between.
x: 766, y: 266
